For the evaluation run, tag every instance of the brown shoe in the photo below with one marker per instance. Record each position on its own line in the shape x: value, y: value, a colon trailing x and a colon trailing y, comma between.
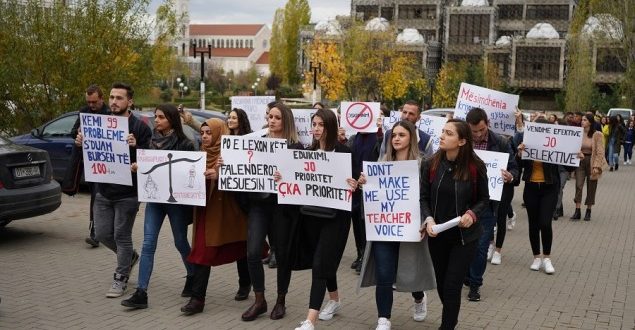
x: 194, y: 306
x: 279, y: 309
x: 259, y: 307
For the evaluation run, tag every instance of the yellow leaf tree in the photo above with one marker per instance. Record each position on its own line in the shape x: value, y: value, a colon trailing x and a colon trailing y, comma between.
x: 332, y: 79
x: 449, y: 80
x: 395, y: 82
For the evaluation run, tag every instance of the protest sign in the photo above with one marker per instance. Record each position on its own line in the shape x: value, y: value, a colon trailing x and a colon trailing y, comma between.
x: 499, y: 106
x: 171, y: 176
x: 432, y: 125
x: 389, y: 122
x: 302, y: 118
x: 554, y: 144
x: 255, y: 107
x: 360, y: 116
x: 494, y: 163
x: 105, y: 149
x: 315, y: 178
x: 248, y: 163
x: 391, y: 201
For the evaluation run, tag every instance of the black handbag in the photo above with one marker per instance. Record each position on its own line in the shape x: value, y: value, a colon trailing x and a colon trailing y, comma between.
x: 318, y: 212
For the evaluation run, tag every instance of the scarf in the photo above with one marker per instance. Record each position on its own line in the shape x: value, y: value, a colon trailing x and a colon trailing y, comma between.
x: 218, y: 128
x: 167, y: 141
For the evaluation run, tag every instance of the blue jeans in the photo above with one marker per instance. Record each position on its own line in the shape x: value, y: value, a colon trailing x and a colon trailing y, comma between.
x: 477, y: 267
x: 179, y: 216
x: 613, y: 156
x: 386, y: 256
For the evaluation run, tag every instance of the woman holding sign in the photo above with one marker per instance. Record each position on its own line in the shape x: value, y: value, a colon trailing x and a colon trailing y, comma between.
x: 168, y: 135
x: 220, y: 228
x: 454, y: 190
x: 405, y: 264
x: 266, y: 216
x: 324, y: 230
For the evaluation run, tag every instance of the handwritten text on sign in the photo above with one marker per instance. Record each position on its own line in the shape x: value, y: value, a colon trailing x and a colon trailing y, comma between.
x: 105, y: 148
x: 554, y: 144
x: 302, y: 118
x: 248, y: 163
x: 359, y: 116
x: 391, y: 201
x: 494, y: 162
x: 315, y: 178
x: 255, y: 107
x: 432, y: 125
x: 499, y: 106
x: 171, y: 177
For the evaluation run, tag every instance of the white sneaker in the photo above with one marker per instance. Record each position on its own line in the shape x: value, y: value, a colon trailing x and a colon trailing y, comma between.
x: 548, y: 266
x: 490, y: 251
x: 305, y: 325
x: 511, y: 222
x: 421, y: 310
x: 383, y: 324
x: 118, y: 287
x: 331, y: 308
x: 536, y: 264
x: 496, y: 258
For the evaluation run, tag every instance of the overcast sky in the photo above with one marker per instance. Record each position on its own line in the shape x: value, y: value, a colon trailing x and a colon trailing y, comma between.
x: 254, y: 11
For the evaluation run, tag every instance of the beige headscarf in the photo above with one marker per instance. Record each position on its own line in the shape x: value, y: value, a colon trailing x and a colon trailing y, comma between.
x: 218, y: 128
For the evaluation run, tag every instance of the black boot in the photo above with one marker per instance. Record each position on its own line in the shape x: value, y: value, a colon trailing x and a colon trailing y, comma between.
x: 243, y: 293
x: 187, y: 289
x: 138, y: 300
x: 358, y: 260
x: 576, y: 215
x: 587, y: 215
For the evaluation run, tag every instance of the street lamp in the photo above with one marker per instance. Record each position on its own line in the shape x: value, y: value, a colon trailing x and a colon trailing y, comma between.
x: 431, y: 85
x: 316, y: 70
x: 195, y: 51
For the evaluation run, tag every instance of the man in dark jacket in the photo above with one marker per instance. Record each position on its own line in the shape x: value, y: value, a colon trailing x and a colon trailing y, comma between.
x: 485, y: 139
x: 95, y: 105
x: 412, y: 113
x: 116, y: 205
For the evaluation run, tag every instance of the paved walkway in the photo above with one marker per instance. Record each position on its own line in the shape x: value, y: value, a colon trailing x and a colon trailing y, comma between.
x: 50, y: 279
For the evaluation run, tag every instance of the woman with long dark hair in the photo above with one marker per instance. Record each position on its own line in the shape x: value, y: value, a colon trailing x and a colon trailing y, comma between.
x: 453, y: 185
x: 167, y: 135
x: 614, y: 144
x: 407, y: 265
x: 238, y: 122
x: 591, y: 163
x: 325, y: 236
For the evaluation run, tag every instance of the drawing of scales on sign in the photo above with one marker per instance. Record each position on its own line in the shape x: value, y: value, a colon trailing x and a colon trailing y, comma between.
x: 150, y: 182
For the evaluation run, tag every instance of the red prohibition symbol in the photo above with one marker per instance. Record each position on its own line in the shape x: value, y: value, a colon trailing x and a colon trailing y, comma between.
x: 354, y: 121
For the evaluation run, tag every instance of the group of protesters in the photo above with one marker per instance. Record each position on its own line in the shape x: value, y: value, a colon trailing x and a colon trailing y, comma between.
x: 232, y: 227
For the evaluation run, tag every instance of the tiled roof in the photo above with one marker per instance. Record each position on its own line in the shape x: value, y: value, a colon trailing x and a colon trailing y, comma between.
x: 263, y: 59
x: 225, y: 29
x: 227, y: 52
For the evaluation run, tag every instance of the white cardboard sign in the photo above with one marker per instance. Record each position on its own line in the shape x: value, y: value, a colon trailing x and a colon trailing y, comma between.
x: 315, y: 178
x: 360, y: 117
x: 249, y: 163
x: 255, y: 107
x: 554, y: 144
x: 302, y: 118
x: 171, y: 177
x: 391, y: 201
x: 494, y: 162
x: 499, y: 106
x: 105, y: 149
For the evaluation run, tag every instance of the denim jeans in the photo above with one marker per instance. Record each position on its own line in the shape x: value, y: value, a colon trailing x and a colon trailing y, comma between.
x: 179, y: 216
x: 477, y: 267
x: 613, y: 156
x: 113, y: 228
x: 258, y: 222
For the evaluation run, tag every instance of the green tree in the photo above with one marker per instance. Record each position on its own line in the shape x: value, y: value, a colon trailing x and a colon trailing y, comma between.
x: 166, y: 63
x: 50, y: 53
x: 449, y: 80
x: 579, y: 84
x: 297, y: 13
x: 278, y: 44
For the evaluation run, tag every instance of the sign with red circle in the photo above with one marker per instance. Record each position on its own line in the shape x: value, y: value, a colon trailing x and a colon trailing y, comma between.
x: 360, y: 116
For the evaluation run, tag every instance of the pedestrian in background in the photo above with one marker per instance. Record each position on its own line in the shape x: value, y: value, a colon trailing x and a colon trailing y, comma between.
x: 629, y: 137
x: 592, y: 162
x: 616, y: 135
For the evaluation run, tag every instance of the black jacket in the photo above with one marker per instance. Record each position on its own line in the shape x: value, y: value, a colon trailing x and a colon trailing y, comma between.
x: 499, y: 143
x: 104, y: 110
x: 551, y: 171
x: 430, y: 202
x: 142, y: 134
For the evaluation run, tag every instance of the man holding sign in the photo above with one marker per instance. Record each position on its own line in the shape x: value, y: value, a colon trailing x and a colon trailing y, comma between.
x: 412, y: 113
x: 485, y: 139
x: 116, y: 205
